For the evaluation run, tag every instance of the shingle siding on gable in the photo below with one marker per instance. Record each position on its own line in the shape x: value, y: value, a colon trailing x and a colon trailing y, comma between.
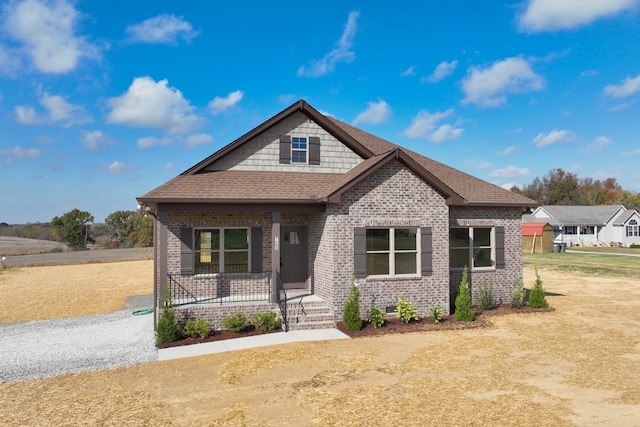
x: 263, y: 152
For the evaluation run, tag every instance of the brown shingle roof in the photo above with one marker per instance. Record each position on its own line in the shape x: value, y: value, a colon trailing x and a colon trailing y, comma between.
x: 263, y: 187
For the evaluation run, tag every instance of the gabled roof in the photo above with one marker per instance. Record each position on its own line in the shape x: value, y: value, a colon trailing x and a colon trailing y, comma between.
x: 199, y: 185
x: 535, y: 228
x: 626, y: 216
x: 579, y: 215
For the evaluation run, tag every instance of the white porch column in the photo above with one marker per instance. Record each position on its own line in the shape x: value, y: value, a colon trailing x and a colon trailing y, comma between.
x: 275, y: 255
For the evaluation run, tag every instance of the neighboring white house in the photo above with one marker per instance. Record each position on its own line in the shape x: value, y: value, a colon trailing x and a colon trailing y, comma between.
x: 590, y: 225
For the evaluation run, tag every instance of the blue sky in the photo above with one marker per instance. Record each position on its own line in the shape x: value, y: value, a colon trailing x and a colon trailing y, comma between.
x: 102, y: 101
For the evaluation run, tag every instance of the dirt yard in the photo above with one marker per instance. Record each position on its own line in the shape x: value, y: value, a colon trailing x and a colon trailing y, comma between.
x: 578, y: 365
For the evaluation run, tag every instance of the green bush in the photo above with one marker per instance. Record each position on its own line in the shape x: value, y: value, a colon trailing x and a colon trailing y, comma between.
x: 198, y: 328
x: 266, y: 322
x: 377, y: 317
x: 464, y: 311
x: 351, y: 315
x: 406, y: 311
x: 436, y: 314
x: 236, y: 322
x: 485, y: 298
x: 517, y: 298
x: 167, y: 329
x: 537, y: 298
x: 634, y: 246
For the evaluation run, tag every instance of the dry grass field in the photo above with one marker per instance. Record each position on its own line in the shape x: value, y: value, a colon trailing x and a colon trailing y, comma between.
x: 578, y: 365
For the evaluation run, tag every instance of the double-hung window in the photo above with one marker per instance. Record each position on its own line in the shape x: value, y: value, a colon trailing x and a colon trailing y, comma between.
x: 299, y: 149
x: 471, y: 247
x: 221, y: 250
x: 392, y: 251
x: 632, y: 228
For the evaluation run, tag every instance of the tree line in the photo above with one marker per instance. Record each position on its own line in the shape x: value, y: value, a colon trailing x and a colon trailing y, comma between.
x: 77, y: 229
x: 559, y: 187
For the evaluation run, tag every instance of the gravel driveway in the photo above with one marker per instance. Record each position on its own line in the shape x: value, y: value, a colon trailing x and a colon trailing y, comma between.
x: 46, y: 348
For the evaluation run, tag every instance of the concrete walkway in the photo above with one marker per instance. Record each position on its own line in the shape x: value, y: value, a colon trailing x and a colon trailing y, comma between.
x: 250, y: 342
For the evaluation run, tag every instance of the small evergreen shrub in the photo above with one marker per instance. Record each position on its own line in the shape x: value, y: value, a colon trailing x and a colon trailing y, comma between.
x: 406, y: 311
x: 537, y: 298
x: 198, y: 328
x: 464, y: 311
x: 266, y: 322
x: 485, y: 298
x: 167, y: 329
x: 236, y: 322
x: 351, y: 315
x: 634, y: 246
x: 517, y: 298
x: 377, y: 317
x: 436, y: 314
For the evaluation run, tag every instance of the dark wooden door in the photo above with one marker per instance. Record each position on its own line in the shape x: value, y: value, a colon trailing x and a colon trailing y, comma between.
x: 293, y: 254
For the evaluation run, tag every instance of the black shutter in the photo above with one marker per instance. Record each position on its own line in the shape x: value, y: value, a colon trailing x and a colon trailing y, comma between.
x: 314, y: 150
x: 186, y: 250
x: 360, y: 252
x: 500, y: 247
x: 256, y: 250
x: 426, y: 253
x: 285, y: 149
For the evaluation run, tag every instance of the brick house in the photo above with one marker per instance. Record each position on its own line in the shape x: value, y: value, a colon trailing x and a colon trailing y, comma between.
x: 282, y: 218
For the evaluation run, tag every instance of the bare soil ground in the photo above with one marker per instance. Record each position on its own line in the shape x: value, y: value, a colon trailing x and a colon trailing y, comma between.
x: 20, y: 246
x: 576, y: 365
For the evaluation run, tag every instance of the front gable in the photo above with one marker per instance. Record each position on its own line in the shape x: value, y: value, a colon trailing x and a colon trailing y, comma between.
x: 272, y: 150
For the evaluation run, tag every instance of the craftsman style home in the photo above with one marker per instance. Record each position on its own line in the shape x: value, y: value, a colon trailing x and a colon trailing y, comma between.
x: 590, y: 225
x: 288, y: 215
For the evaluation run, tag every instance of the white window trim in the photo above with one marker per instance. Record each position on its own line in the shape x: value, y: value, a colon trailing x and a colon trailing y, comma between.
x: 306, y: 151
x: 221, y: 249
x: 392, y: 251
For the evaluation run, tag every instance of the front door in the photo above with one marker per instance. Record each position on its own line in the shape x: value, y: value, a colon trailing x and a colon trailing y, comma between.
x: 293, y: 254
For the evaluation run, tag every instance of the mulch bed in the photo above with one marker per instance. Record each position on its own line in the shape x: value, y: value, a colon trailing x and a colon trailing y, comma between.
x: 392, y: 326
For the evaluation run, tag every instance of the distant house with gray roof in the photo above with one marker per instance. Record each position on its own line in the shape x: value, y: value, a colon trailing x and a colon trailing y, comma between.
x: 590, y: 225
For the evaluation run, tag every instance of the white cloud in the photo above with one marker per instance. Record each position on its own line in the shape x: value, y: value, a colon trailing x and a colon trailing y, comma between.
x: 635, y: 152
x: 599, y: 143
x: 489, y: 86
x: 163, y: 28
x: 553, y: 137
x: 408, y: 72
x: 510, y: 172
x: 477, y: 164
x: 95, y: 140
x: 150, y: 104
x: 217, y: 105
x: 47, y: 31
x: 375, y: 113
x: 169, y: 166
x: 58, y: 110
x: 444, y: 69
x: 424, y: 126
x: 119, y: 167
x: 628, y: 87
x: 198, y: 139
x: 10, y: 62
x: 554, y: 15
x: 510, y: 149
x: 18, y: 152
x: 341, y: 53
x: 152, y: 141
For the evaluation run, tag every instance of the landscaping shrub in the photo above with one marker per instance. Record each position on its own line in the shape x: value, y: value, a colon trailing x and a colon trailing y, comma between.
x: 377, y: 317
x: 537, y: 298
x: 464, y: 311
x: 634, y: 246
x: 198, y: 328
x: 517, y: 298
x: 236, y: 322
x: 406, y: 311
x: 436, y: 314
x: 485, y: 298
x: 167, y: 329
x: 266, y: 322
x: 351, y: 315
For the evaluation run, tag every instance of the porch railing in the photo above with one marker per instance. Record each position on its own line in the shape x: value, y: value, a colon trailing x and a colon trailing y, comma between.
x: 282, y: 302
x: 219, y: 288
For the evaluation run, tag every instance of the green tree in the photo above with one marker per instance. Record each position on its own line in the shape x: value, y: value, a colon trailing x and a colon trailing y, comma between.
x: 464, y: 310
x: 131, y: 228
x: 119, y: 223
x: 537, y: 297
x: 351, y: 315
x: 73, y: 228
